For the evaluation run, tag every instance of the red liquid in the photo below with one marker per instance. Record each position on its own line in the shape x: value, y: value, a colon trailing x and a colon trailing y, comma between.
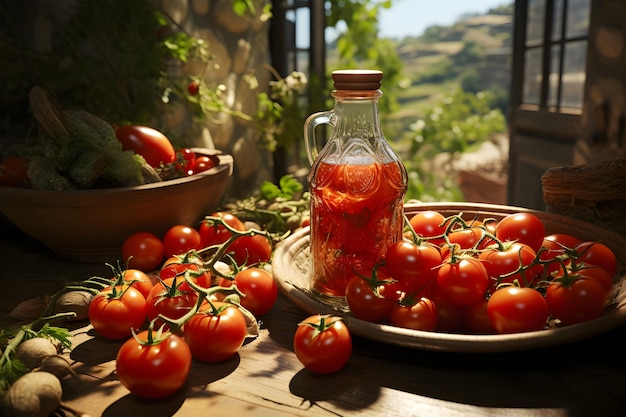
x: 356, y: 213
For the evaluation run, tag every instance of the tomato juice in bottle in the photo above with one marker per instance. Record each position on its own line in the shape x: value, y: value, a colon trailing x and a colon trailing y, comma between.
x: 357, y: 185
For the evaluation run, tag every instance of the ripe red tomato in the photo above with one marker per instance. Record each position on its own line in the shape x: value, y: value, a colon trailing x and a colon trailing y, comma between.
x: 597, y: 253
x: 153, y: 369
x: 502, y: 261
x: 450, y: 317
x: 193, y: 88
x: 477, y: 318
x: 576, y: 299
x: 186, y: 161
x: 555, y: 245
x: 413, y: 266
x: 172, y: 298
x: 176, y: 266
x: 203, y: 163
x: 216, y: 234
x: 420, y: 316
x: 428, y: 224
x: 463, y: 281
x: 153, y: 145
x: 251, y: 250
x: 181, y: 239
x: 214, y: 335
x: 465, y: 238
x: 513, y: 309
x: 364, y: 298
x: 116, y: 310
x: 143, y: 251
x: 323, y: 344
x: 597, y: 273
x: 260, y: 289
x: 13, y: 172
x: 560, y: 241
x: 522, y: 227
x: 136, y: 279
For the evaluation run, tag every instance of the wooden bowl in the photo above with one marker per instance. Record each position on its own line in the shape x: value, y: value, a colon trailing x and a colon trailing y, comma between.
x: 291, y: 269
x: 91, y: 225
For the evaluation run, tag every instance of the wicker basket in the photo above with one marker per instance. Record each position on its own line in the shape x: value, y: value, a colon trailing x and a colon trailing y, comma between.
x: 595, y: 193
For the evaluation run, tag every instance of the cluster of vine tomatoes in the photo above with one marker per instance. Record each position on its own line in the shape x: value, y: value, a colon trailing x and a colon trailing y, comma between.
x: 199, y: 304
x: 484, y: 277
x: 146, y: 251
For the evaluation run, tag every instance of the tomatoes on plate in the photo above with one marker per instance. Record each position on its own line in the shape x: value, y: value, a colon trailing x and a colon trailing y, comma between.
x: 153, y: 368
x: 429, y: 224
x: 477, y: 318
x: 515, y: 309
x: 597, y: 253
x: 450, y: 317
x: 116, y: 310
x: 555, y: 246
x: 180, y: 239
x: 421, y: 315
x: 462, y: 281
x: 522, y: 227
x: 576, y: 298
x: 511, y: 262
x: 153, y: 145
x: 143, y: 251
x: 465, y: 238
x: 322, y: 343
x: 413, y: 266
x: 365, y: 299
x: 216, y: 332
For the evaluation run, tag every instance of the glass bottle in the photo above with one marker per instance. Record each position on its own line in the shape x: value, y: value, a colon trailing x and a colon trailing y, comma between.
x: 357, y: 185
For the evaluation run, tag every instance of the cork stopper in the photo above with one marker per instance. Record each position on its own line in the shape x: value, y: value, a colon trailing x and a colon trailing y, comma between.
x: 357, y: 79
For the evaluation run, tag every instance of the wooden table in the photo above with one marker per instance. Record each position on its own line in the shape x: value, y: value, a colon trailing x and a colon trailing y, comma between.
x: 585, y: 378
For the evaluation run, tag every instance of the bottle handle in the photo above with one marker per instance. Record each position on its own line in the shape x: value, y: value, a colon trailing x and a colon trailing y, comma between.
x: 310, y: 139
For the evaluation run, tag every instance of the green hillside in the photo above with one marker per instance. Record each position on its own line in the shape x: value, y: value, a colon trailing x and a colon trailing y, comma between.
x: 474, y: 54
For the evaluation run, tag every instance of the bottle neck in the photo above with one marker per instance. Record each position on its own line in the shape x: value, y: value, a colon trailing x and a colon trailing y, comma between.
x: 356, y: 114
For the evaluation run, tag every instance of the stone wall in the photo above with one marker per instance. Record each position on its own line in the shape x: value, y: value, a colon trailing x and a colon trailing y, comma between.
x: 240, y: 50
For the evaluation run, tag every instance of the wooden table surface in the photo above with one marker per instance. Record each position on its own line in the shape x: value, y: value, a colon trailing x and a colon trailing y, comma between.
x: 586, y: 378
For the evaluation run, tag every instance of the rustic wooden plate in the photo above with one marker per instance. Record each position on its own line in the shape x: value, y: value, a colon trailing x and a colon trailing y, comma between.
x: 291, y: 266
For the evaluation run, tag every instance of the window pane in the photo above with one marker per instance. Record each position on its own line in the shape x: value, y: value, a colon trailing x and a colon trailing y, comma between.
x: 557, y: 20
x: 577, y: 18
x: 532, y: 76
x: 534, y: 24
x: 553, y: 87
x: 572, y: 94
x: 303, y: 34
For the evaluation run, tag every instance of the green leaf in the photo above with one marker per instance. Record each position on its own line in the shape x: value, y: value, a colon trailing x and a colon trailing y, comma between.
x: 269, y: 190
x: 59, y: 333
x: 290, y: 186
